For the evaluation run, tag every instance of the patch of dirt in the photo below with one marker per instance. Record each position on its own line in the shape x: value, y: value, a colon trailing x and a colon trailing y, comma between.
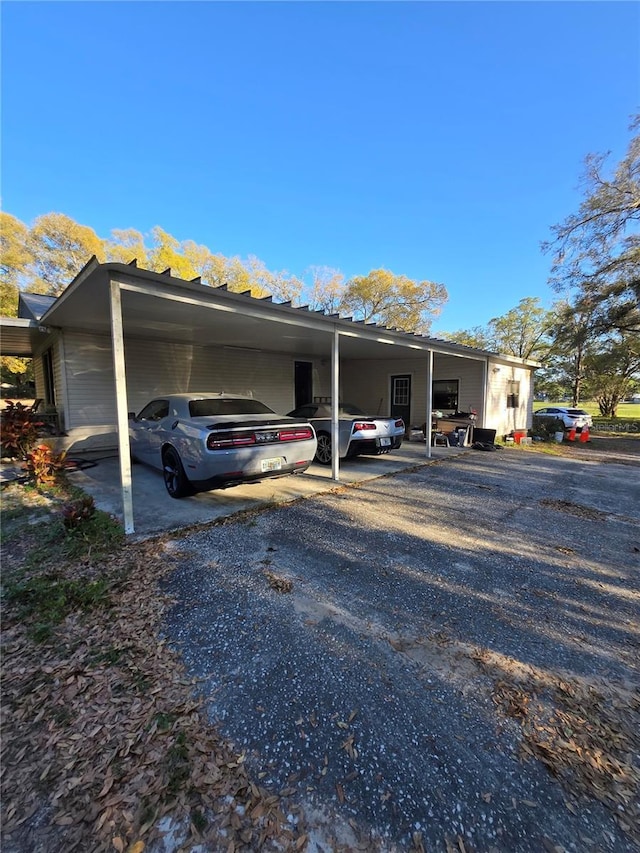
x: 574, y: 509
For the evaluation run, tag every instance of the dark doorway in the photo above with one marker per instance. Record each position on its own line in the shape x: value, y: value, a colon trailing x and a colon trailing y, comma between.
x: 49, y: 382
x: 401, y: 398
x: 303, y: 382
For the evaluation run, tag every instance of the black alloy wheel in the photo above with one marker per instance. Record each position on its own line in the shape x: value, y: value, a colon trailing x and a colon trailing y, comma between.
x: 324, y: 454
x: 175, y: 479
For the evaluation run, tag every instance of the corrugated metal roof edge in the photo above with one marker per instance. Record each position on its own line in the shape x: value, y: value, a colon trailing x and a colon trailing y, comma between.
x: 132, y: 269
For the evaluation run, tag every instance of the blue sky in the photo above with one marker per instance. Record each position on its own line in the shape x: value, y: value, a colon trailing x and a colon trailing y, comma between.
x: 436, y: 140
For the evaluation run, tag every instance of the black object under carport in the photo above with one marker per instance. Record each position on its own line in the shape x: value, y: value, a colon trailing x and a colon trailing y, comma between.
x: 484, y: 436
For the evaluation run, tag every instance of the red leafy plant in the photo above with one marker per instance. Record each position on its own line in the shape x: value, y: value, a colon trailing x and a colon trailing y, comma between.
x: 44, y: 465
x: 75, y: 513
x: 19, y: 430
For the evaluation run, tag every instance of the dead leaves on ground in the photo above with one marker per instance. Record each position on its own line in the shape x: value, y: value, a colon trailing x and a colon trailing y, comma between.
x: 574, y: 509
x: 278, y: 582
x: 102, y: 736
x: 587, y: 736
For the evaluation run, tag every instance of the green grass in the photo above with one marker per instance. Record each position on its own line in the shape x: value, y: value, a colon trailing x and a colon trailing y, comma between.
x: 38, y: 589
x: 44, y: 601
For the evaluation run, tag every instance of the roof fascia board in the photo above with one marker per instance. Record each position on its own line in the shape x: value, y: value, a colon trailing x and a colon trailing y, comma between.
x: 233, y: 306
x: 238, y: 303
x: 19, y: 323
x: 91, y: 265
x: 130, y: 278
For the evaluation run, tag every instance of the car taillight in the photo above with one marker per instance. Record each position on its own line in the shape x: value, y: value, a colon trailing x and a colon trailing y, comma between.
x: 224, y: 440
x: 400, y: 423
x: 298, y: 434
x: 362, y: 425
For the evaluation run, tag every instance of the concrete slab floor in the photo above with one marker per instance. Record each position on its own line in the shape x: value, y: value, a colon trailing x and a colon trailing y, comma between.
x: 154, y: 512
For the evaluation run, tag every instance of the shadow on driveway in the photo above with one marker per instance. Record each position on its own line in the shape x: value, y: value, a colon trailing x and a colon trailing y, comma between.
x: 439, y: 620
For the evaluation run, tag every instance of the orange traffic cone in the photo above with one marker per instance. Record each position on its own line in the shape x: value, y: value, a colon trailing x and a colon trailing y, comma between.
x: 584, y: 435
x: 572, y: 434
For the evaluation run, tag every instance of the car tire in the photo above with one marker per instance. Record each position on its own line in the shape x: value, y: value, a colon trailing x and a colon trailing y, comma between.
x: 324, y: 452
x: 175, y: 479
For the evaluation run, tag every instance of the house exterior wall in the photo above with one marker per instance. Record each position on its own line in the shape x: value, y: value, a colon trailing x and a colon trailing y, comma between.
x: 155, y: 368
x: 53, y: 343
x: 500, y: 416
x: 85, y: 391
x: 374, y: 394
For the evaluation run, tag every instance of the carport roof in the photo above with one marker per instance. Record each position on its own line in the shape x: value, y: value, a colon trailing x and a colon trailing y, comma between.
x: 20, y: 337
x: 200, y: 314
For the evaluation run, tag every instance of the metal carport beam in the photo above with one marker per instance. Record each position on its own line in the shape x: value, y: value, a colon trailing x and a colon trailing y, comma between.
x: 124, y: 451
x: 335, y: 405
x: 429, y: 402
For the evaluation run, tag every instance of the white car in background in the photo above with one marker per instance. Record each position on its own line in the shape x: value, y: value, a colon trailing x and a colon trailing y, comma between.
x: 577, y: 418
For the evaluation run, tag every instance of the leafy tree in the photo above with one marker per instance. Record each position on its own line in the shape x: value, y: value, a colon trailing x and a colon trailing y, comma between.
x: 211, y: 268
x: 168, y: 253
x: 60, y: 248
x: 610, y: 371
x: 15, y: 258
x: 575, y: 334
x: 282, y: 285
x: 125, y: 245
x: 597, y: 250
x: 394, y: 301
x: 15, y: 370
x: 522, y: 332
x: 479, y: 337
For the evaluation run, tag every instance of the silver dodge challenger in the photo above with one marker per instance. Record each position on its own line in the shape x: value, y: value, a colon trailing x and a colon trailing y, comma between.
x: 205, y: 441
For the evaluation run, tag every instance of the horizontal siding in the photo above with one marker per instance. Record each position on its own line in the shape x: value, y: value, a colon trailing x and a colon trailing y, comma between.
x: 162, y: 368
x: 368, y: 383
x: 89, y: 376
x: 501, y: 418
x: 155, y: 368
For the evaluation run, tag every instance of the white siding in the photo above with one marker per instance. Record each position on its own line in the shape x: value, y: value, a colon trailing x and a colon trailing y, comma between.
x: 368, y: 383
x: 154, y: 368
x: 89, y: 377
x: 499, y: 417
x: 52, y: 342
x: 159, y: 368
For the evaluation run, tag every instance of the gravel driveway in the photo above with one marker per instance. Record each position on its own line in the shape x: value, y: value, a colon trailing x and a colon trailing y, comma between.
x: 443, y: 659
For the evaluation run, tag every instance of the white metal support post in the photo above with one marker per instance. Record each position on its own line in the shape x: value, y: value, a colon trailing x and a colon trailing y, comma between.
x: 335, y: 404
x: 485, y: 389
x: 117, y: 346
x: 429, y: 401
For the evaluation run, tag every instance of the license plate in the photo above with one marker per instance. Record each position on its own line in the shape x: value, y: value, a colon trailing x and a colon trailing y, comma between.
x: 274, y: 464
x: 385, y: 442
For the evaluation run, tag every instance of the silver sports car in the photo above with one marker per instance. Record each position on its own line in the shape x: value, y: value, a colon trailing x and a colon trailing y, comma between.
x: 204, y: 441
x: 359, y: 433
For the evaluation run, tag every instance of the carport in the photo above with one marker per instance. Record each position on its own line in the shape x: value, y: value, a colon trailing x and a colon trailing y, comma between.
x: 120, y: 302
